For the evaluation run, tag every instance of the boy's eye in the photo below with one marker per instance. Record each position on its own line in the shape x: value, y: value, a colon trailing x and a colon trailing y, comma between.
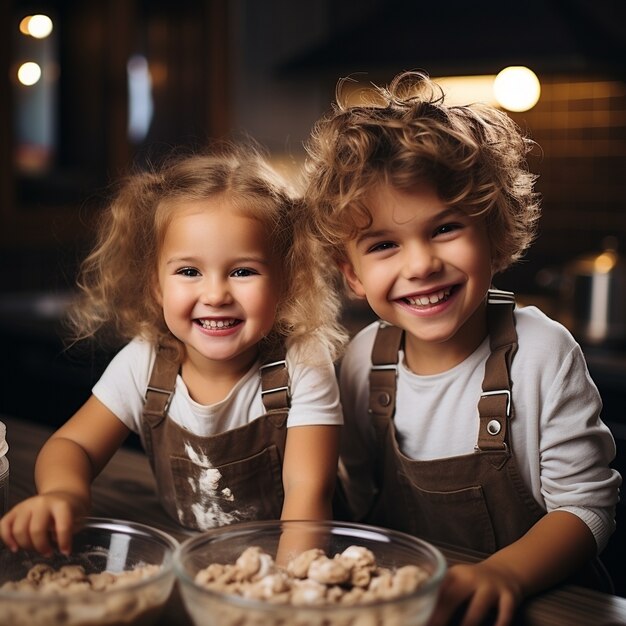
x: 381, y: 246
x: 188, y: 271
x: 242, y: 272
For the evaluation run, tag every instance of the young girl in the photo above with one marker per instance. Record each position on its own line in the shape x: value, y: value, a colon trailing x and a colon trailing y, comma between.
x: 228, y: 376
x: 475, y: 423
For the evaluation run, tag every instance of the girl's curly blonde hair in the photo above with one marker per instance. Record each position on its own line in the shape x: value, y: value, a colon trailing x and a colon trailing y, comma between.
x: 404, y: 135
x: 117, y: 279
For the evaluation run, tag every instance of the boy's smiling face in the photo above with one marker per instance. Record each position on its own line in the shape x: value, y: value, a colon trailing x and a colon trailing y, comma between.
x: 426, y: 268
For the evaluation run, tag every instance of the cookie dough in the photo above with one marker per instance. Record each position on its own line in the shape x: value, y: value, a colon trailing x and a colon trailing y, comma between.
x: 73, y: 579
x: 312, y: 578
x: 71, y: 597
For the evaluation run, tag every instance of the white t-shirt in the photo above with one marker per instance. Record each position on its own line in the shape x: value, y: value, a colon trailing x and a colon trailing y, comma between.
x: 561, y: 446
x: 122, y: 389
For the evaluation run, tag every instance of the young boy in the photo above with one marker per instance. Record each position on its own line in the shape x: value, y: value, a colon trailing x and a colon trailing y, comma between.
x: 467, y: 421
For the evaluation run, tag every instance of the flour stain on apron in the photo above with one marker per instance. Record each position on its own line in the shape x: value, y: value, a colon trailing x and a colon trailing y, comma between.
x: 205, y: 485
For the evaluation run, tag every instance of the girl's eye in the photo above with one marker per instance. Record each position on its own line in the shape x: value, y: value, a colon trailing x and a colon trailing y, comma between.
x: 243, y: 272
x: 188, y: 271
x: 380, y: 247
x: 444, y: 229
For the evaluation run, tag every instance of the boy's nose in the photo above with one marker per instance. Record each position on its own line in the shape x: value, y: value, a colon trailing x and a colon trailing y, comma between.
x: 420, y: 261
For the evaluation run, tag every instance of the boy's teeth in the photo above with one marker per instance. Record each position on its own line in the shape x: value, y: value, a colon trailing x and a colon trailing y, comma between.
x: 426, y: 300
x: 213, y: 324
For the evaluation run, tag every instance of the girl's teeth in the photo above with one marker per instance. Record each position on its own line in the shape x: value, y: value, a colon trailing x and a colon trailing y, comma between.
x: 213, y: 324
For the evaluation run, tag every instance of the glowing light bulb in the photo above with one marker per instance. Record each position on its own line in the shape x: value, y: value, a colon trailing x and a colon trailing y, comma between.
x: 37, y: 26
x: 28, y: 73
x: 517, y: 88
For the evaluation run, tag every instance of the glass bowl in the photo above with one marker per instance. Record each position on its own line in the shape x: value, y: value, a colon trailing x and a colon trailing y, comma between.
x: 285, y: 540
x: 101, y: 545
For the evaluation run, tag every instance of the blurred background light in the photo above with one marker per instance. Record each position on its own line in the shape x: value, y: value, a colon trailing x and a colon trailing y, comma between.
x: 29, y: 73
x: 37, y: 26
x: 517, y: 88
x: 140, y: 101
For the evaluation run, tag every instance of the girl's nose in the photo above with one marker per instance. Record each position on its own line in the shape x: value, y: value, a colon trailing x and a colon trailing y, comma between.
x: 420, y: 261
x: 215, y: 292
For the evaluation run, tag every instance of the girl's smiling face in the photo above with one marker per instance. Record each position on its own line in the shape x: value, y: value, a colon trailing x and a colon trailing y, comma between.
x: 218, y: 283
x: 425, y: 267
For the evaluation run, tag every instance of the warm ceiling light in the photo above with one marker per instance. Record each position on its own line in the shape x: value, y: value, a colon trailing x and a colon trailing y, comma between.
x: 37, y: 26
x: 517, y: 88
x: 29, y: 73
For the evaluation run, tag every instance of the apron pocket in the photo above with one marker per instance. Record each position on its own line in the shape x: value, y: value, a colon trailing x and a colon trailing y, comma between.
x: 244, y: 490
x: 459, y: 518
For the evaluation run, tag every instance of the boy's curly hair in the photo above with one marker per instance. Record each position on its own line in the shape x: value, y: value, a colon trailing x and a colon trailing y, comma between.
x: 117, y: 279
x: 404, y: 135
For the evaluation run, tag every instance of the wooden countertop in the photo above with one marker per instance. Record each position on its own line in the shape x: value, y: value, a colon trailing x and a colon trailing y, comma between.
x: 126, y: 490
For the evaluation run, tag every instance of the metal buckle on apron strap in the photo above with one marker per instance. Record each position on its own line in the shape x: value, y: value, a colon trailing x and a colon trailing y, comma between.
x: 273, y: 389
x: 169, y: 394
x: 264, y: 391
x: 499, y: 296
x: 381, y: 396
x: 494, y: 426
x: 273, y: 364
x: 506, y: 392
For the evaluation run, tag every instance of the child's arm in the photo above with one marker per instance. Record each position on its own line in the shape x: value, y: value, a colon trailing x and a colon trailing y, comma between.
x: 65, y: 467
x: 558, y: 544
x: 310, y: 471
x: 309, y: 475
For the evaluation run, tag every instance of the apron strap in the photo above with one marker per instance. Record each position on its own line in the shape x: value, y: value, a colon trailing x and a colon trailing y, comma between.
x: 383, y: 373
x: 160, y: 390
x: 495, y: 407
x: 162, y: 383
x: 275, y: 380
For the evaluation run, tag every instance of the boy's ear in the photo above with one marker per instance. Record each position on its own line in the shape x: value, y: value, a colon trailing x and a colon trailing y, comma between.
x: 352, y: 279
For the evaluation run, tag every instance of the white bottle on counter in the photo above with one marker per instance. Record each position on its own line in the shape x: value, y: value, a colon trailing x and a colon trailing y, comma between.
x: 4, y: 471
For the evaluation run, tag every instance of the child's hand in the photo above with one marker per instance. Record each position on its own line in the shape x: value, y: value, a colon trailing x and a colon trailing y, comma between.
x: 473, y: 592
x: 39, y: 522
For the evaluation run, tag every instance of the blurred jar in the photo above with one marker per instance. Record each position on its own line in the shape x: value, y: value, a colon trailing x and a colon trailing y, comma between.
x: 4, y: 471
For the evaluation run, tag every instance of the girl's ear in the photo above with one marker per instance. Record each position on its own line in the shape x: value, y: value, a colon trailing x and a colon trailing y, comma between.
x: 156, y: 290
x: 347, y: 269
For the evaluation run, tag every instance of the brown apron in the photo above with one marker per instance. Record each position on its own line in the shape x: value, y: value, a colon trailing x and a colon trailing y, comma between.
x: 477, y: 501
x: 232, y: 476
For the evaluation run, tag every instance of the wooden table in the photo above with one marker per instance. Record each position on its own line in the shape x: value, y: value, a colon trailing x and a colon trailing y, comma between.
x: 126, y: 490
